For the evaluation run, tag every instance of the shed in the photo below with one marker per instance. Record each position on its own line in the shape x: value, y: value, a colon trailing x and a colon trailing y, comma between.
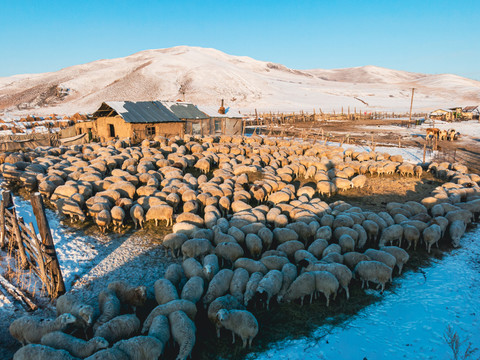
x: 196, y: 122
x: 442, y: 114
x: 471, y: 112
x: 229, y: 123
x: 137, y: 120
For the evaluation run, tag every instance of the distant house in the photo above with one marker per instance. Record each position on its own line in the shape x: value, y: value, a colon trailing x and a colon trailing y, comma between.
x: 196, y: 122
x: 442, y: 114
x: 137, y: 120
x: 471, y: 112
x: 228, y: 123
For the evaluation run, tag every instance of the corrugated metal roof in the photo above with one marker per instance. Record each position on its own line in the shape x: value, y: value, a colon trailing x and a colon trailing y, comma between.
x: 142, y: 111
x: 184, y: 110
x: 212, y: 111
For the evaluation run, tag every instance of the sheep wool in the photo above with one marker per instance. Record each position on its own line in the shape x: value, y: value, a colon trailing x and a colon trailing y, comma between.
x: 141, y: 347
x: 160, y: 329
x: 127, y: 294
x: 183, y: 333
x: 120, y: 327
x: 69, y: 303
x: 219, y: 286
x: 240, y: 322
x: 76, y: 347
x: 186, y: 306
x: 109, y: 306
x: 165, y: 291
x: 42, y: 352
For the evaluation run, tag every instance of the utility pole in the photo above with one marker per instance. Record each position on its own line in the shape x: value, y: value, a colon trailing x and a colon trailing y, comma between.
x: 411, y: 105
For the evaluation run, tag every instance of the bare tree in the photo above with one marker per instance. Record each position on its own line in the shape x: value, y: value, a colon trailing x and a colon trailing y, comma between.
x: 185, y: 85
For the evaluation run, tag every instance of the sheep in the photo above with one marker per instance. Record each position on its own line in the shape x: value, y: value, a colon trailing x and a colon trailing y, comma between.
x: 174, y: 242
x: 183, y: 333
x: 160, y: 329
x: 346, y: 243
x: 118, y: 217
x: 317, y: 247
x: 274, y: 262
x: 456, y: 231
x: 240, y: 322
x: 30, y: 329
x: 76, y: 347
x: 431, y: 235
x: 196, y: 248
x: 302, y: 286
x: 165, y: 291
x: 326, y: 283
x: 250, y: 265
x: 229, y: 251
x: 138, y: 215
x: 411, y: 235
x: 192, y: 267
x: 210, y: 266
x: 325, y: 231
x: 269, y: 286
x: 129, y: 295
x: 340, y: 271
x: 362, y: 236
x: 109, y: 306
x: 120, y: 327
x: 193, y: 289
x: 69, y: 303
x: 401, y: 256
x: 251, y: 287
x: 186, y: 306
x: 382, y: 256
x: 160, y: 212
x: 374, y: 271
x: 219, y: 286
x: 103, y: 220
x: 391, y: 234
x: 254, y: 245
x: 332, y: 248
x: 238, y: 234
x: 228, y: 302
x: 238, y: 283
x: 141, y: 347
x: 359, y: 181
x: 42, y: 352
x: 351, y: 259
x: 175, y: 274
x: 372, y: 229
x: 290, y: 247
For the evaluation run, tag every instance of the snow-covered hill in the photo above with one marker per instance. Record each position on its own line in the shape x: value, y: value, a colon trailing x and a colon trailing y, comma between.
x: 208, y: 75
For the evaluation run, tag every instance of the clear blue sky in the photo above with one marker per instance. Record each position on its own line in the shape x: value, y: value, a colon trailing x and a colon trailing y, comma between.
x: 413, y: 35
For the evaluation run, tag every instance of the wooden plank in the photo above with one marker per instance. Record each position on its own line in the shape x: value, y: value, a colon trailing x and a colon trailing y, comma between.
x: 47, y: 240
x: 18, y: 294
x: 19, y: 241
x: 2, y: 224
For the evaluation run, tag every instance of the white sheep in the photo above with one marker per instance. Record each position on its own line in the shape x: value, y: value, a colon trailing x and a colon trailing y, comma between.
x: 274, y: 262
x: 118, y: 217
x: 269, y: 286
x: 382, y: 256
x: 317, y: 247
x: 138, y: 215
x: 374, y: 271
x: 228, y: 302
x: 411, y: 235
x: 186, y: 306
x: 346, y: 243
x: 238, y: 283
x: 210, y: 266
x: 192, y: 267
x: 69, y: 303
x: 141, y: 347
x: 103, y: 220
x: 193, y: 289
x: 120, y: 327
x: 196, y: 248
x: 109, y: 306
x: 351, y: 259
x: 240, y: 322
x: 109, y: 354
x: 160, y: 329
x: 174, y: 242
x: 75, y: 346
x: 250, y: 265
x: 254, y: 245
x: 42, y: 352
x: 303, y: 285
x: 175, y: 274
x: 326, y: 283
x: 229, y: 251
x: 340, y: 271
x: 431, y: 235
x: 159, y: 213
x: 391, y: 234
x: 183, y: 333
x: 219, y: 286
x: 401, y: 256
x: 129, y: 295
x: 164, y: 291
x: 30, y: 329
x: 456, y: 231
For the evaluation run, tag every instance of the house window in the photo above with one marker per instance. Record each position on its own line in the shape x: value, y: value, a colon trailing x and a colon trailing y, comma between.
x: 150, y: 130
x: 218, y: 126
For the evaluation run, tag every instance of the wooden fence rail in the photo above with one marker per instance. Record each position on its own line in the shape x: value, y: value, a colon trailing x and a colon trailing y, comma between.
x: 36, y: 254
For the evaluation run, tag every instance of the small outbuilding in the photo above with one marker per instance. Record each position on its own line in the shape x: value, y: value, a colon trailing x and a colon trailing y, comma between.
x: 224, y: 121
x: 471, y: 112
x: 137, y: 120
x: 442, y: 114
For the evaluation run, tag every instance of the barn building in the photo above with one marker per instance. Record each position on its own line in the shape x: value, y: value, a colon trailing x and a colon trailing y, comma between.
x: 137, y: 120
x: 226, y: 122
x: 196, y: 122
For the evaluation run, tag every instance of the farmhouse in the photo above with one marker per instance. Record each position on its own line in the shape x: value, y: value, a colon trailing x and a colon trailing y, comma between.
x: 471, y: 112
x: 138, y: 120
x: 442, y: 114
x: 223, y: 122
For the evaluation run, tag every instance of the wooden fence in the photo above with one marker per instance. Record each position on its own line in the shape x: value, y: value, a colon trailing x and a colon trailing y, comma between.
x: 33, y: 253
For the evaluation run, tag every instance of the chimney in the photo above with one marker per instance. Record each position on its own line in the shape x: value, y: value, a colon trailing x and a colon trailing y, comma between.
x: 222, y: 109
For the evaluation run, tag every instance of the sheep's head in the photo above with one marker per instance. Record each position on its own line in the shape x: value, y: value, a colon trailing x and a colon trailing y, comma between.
x: 139, y: 296
x: 100, y: 342
x: 222, y: 315
x: 86, y: 313
x: 67, y: 318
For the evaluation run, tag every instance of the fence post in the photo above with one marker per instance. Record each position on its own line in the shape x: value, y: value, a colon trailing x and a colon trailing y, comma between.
x: 47, y: 240
x: 19, y: 241
x: 6, y: 203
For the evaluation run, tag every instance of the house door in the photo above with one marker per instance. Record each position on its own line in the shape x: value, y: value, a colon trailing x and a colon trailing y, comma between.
x: 112, y: 130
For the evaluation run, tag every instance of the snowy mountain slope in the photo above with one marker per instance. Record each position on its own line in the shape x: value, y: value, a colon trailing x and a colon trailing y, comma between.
x: 208, y: 75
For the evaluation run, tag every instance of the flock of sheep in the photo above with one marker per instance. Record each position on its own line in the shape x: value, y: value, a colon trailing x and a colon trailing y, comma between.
x: 247, y: 236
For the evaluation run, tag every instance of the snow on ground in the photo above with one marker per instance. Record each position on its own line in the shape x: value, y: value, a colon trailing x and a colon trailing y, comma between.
x: 411, y: 319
